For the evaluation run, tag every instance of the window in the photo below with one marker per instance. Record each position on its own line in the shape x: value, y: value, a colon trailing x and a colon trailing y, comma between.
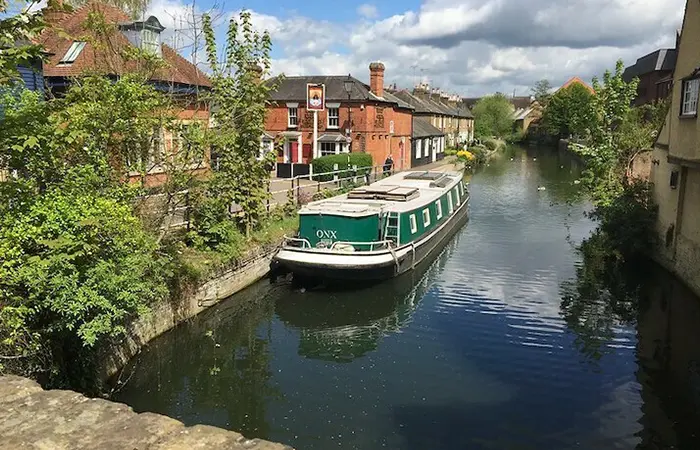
x: 149, y: 41
x: 450, y: 206
x: 292, y: 117
x: 426, y: 217
x: 266, y: 146
x: 327, y: 148
x: 690, y: 97
x: 461, y: 189
x: 412, y: 221
x: 157, y: 150
x: 418, y: 148
x: 333, y: 117
x: 391, y: 126
x: 438, y: 209
x: 456, y: 192
x: 72, y: 53
x: 674, y: 179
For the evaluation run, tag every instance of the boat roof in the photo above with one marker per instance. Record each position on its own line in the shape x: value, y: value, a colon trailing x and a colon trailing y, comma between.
x: 401, y: 192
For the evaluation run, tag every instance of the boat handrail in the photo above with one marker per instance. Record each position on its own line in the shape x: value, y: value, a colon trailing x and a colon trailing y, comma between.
x: 357, y: 243
x: 304, y: 242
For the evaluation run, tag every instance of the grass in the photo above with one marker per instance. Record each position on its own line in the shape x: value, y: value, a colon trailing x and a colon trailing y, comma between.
x: 195, y: 265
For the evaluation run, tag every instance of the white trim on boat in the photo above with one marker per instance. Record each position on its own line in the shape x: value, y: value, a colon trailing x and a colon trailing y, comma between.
x: 326, y: 259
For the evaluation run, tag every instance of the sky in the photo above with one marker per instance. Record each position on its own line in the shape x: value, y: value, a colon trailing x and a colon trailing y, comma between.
x: 468, y: 47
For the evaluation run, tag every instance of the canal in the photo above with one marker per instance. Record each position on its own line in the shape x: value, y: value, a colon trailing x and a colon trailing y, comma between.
x: 509, y: 339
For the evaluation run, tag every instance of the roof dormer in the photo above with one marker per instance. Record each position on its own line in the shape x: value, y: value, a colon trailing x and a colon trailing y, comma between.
x: 144, y: 34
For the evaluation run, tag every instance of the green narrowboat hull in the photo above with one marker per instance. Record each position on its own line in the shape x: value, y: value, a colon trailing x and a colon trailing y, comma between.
x: 349, y: 239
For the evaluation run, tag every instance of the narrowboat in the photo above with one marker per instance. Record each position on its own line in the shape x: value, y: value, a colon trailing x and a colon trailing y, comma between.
x: 376, y: 231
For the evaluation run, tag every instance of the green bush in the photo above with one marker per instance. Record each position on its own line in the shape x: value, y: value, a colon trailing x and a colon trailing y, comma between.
x: 344, y: 161
x: 491, y: 144
x: 74, y: 268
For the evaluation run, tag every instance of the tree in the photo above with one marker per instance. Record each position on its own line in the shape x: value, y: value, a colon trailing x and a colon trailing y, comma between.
x: 570, y: 112
x: 135, y: 8
x: 241, y: 100
x: 542, y: 91
x: 493, y: 116
x: 16, y: 34
x: 605, y: 152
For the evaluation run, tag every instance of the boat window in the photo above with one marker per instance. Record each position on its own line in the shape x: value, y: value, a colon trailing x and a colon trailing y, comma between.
x: 414, y: 225
x: 456, y: 196
x: 450, y: 206
x: 426, y: 217
x: 461, y: 188
x: 438, y: 209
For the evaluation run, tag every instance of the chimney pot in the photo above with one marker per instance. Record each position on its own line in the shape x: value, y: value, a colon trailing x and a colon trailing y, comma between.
x: 376, y: 78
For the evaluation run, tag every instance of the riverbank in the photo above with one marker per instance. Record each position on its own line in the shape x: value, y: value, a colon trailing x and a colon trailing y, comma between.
x: 31, y: 417
x: 508, y: 321
x: 205, y: 278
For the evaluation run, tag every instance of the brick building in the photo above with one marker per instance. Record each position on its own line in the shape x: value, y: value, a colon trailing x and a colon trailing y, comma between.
x: 70, y: 43
x: 444, y: 112
x: 357, y: 118
x: 655, y: 73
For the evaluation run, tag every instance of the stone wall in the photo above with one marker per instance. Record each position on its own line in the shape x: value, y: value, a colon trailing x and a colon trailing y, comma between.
x: 32, y: 418
x: 168, y: 313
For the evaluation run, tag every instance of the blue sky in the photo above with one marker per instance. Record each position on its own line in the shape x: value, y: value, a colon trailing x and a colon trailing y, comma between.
x: 468, y: 47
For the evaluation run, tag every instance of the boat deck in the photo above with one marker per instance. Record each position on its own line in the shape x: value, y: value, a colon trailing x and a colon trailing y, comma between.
x: 396, y: 184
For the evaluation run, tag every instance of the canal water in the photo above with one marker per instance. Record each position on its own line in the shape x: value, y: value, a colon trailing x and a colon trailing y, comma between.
x: 509, y: 339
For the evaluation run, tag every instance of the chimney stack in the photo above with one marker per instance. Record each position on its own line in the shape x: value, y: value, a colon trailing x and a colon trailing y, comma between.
x: 256, y: 72
x: 376, y: 78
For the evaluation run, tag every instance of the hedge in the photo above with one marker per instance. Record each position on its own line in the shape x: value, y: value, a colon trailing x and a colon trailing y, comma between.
x: 344, y: 161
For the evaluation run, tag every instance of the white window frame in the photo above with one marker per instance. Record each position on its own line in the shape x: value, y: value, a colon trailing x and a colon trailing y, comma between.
x: 426, y: 217
x: 461, y: 188
x: 438, y: 209
x: 292, y: 113
x: 689, y: 99
x: 149, y: 40
x: 413, y: 223
x: 335, y: 116
x: 326, y: 152
x: 266, y: 146
x: 456, y: 191
x: 419, y: 142
x: 450, y: 204
x: 73, y: 52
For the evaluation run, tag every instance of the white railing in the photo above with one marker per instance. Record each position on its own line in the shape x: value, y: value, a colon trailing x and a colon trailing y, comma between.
x: 304, y: 243
x: 314, y: 183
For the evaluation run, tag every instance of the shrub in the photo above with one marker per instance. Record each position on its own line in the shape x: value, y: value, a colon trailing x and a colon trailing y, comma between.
x: 75, y: 268
x: 491, y: 144
x: 628, y: 220
x: 344, y: 161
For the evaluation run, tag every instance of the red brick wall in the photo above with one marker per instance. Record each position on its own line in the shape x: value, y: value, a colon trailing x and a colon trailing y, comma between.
x: 365, y: 127
x: 188, y: 112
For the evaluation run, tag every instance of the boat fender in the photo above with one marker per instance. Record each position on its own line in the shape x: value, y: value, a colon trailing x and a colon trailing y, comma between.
x: 344, y: 248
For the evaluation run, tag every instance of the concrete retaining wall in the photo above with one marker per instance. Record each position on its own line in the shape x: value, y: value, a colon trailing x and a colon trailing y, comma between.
x: 168, y: 313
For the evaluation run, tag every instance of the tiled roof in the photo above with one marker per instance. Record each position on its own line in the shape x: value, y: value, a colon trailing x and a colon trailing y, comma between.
x: 578, y: 80
x: 65, y: 28
x: 293, y: 89
x: 661, y: 60
x: 424, y: 105
x: 423, y: 128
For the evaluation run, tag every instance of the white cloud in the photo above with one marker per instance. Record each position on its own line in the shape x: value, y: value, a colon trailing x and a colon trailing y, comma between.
x: 468, y: 46
x: 368, y: 11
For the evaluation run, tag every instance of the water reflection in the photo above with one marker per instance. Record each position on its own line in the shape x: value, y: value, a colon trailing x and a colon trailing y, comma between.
x: 213, y: 370
x: 602, y: 300
x: 341, y: 326
x: 509, y: 340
